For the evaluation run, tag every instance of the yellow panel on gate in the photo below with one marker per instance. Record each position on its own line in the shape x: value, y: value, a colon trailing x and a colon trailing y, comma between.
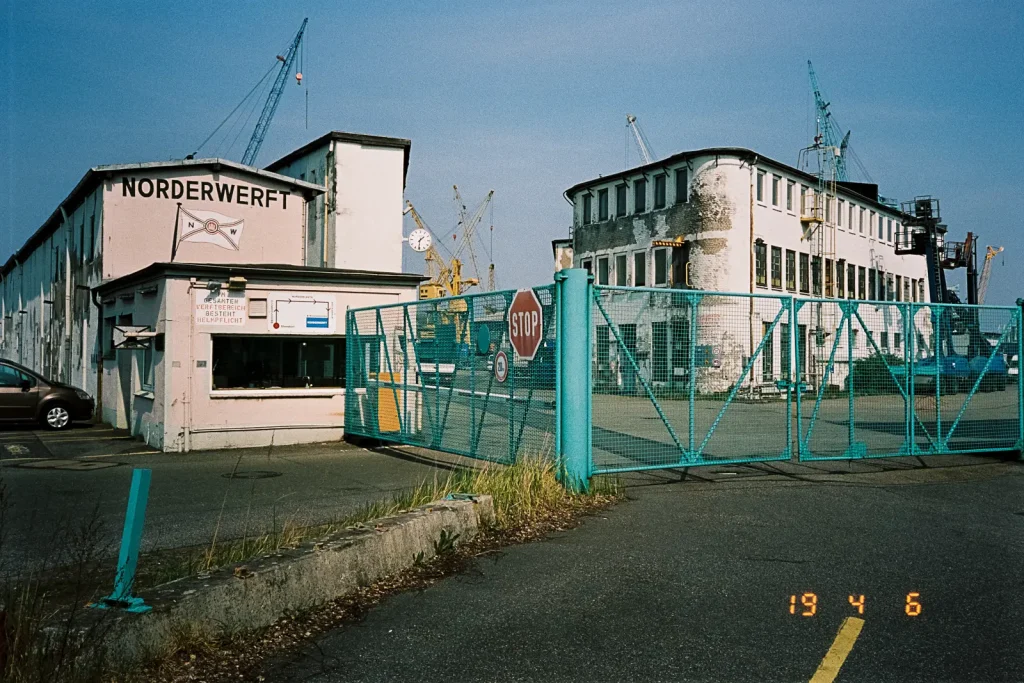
x: 388, y: 398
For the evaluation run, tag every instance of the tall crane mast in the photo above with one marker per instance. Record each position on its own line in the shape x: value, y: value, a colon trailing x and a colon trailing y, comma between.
x: 270, y: 107
x: 986, y: 272
x: 469, y: 224
x: 643, y: 145
x: 835, y: 143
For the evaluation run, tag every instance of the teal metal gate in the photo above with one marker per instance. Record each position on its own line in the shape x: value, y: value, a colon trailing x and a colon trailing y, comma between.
x: 422, y: 374
x: 883, y: 379
x: 685, y: 378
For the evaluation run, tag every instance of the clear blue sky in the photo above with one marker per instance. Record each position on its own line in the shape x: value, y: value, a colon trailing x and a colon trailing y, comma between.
x: 529, y: 98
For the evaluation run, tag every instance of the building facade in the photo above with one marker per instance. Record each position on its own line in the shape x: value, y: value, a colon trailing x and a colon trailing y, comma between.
x: 731, y: 220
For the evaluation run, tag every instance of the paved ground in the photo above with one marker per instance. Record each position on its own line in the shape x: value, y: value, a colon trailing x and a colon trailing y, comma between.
x: 57, y: 480
x: 691, y: 581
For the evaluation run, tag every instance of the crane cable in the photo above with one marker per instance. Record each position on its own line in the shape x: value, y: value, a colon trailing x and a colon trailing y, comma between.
x: 237, y: 107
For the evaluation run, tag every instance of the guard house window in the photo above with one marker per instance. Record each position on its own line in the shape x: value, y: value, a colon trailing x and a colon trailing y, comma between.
x: 760, y: 186
x: 639, y: 269
x: 660, y: 269
x: 791, y: 270
x: 639, y: 195
x: 620, y: 201
x: 620, y: 270
x: 682, y: 193
x: 851, y: 281
x: 839, y: 212
x: 777, y: 267
x: 775, y: 189
x: 805, y: 278
x: 872, y: 277
x: 760, y: 264
x: 588, y: 208
x: 602, y: 270
x: 828, y: 277
x: 660, y: 189
x: 860, y: 283
x: 767, y: 353
x: 840, y: 279
x: 816, y: 275
x: 272, y: 362
x: 602, y: 205
x: 789, y: 195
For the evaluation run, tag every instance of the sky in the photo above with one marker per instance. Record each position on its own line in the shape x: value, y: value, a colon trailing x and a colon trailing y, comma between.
x: 528, y: 98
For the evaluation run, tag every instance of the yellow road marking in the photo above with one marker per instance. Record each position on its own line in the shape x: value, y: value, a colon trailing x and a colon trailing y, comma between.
x: 840, y: 650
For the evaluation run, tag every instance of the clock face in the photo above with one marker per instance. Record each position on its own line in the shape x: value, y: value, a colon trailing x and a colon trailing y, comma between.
x: 420, y: 240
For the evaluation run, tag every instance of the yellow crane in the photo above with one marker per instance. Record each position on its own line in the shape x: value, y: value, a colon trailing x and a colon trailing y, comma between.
x: 986, y: 272
x: 445, y: 278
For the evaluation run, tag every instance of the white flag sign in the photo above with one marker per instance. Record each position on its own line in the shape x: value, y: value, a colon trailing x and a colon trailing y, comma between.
x: 210, y: 227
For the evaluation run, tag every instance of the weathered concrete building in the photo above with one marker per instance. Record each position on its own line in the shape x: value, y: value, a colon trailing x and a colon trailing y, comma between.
x: 732, y: 220
x: 335, y: 209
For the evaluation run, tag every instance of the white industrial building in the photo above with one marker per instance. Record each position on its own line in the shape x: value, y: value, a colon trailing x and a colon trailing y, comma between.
x: 732, y: 220
x: 323, y: 223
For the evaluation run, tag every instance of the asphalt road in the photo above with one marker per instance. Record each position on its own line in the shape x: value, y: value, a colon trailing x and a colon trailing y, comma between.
x: 59, y: 482
x: 692, y: 581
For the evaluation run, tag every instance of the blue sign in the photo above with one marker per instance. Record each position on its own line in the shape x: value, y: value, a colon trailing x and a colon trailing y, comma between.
x: 316, y: 321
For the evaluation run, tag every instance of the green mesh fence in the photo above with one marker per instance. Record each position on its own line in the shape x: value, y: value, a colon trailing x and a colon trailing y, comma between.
x: 881, y: 379
x: 422, y: 374
x: 683, y: 378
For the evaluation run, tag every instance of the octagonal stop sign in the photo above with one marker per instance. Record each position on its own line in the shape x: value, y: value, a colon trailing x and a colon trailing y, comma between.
x: 525, y: 323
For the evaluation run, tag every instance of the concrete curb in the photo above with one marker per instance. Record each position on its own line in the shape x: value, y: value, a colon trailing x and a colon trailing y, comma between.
x: 229, y: 601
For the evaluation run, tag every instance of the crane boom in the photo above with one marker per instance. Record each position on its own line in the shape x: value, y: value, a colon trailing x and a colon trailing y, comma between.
x: 642, y: 143
x: 986, y: 272
x: 829, y: 130
x: 270, y: 107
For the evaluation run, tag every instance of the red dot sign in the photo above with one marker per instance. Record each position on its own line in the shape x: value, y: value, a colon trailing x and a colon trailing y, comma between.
x: 525, y: 323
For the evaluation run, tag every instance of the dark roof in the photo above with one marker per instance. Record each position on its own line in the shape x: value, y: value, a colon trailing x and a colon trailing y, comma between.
x: 342, y: 136
x: 748, y: 155
x: 273, y: 271
x: 95, y: 175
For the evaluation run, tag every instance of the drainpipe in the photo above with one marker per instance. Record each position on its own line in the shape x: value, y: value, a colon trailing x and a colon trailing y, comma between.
x: 99, y: 356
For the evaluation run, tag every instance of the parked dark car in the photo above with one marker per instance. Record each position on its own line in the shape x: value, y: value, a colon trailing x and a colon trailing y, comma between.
x: 27, y: 396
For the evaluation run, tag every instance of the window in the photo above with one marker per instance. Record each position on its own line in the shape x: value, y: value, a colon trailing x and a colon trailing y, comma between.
x: 850, y: 222
x: 108, y: 337
x: 12, y: 377
x: 840, y: 278
x: 920, y: 290
x: 784, y: 349
x: 899, y: 288
x: 828, y: 209
x: 603, y: 342
x: 588, y: 266
x: 860, y: 222
x: 890, y: 289
x: 767, y: 353
x: 588, y: 208
x: 896, y: 339
x: 851, y: 281
x: 682, y: 192
x: 803, y: 200
x: 872, y: 276
x: 660, y: 271
x: 789, y: 195
x: 659, y: 351
x: 829, y: 285
x: 775, y: 189
x: 639, y: 269
x: 660, y: 182
x: 602, y: 270
x: 791, y: 270
x: 760, y: 264
x: 871, y: 225
x: 620, y: 270
x: 885, y: 340
x: 839, y: 213
x: 272, y: 362
x: 805, y: 281
x: 639, y: 195
x: 620, y: 201
x: 816, y: 275
x: 909, y: 289
x: 760, y: 186
x: 860, y: 283
x: 602, y: 205
x: 881, y: 225
x: 888, y: 229
x: 147, y: 368
x: 777, y: 267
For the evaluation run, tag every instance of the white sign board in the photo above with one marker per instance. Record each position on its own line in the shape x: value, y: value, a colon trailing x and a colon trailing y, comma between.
x: 301, y: 313
x: 222, y: 308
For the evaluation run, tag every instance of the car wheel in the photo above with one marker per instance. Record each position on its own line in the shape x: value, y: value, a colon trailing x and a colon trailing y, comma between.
x: 56, y: 416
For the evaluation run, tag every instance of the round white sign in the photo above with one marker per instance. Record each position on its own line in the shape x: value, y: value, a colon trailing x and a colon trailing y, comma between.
x: 500, y: 366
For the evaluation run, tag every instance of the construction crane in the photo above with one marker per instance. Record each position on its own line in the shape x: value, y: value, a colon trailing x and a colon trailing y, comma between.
x: 444, y: 278
x: 986, y: 272
x: 270, y: 107
x: 643, y: 145
x: 828, y: 130
x: 469, y: 224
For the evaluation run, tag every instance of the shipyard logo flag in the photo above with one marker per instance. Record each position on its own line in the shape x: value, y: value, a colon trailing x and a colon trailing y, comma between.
x: 210, y: 227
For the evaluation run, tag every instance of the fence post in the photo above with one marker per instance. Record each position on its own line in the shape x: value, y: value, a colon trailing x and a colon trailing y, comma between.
x: 131, y: 540
x: 573, y: 382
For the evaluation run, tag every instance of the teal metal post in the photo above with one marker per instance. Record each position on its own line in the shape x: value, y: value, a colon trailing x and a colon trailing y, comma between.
x: 574, y: 395
x: 131, y: 540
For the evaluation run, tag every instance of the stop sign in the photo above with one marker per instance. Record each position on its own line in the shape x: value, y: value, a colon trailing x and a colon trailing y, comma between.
x: 525, y: 323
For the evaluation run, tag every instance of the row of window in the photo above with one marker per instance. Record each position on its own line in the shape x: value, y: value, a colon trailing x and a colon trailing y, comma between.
x: 613, y: 269
x: 769, y: 370
x: 641, y: 192
x: 846, y: 215
x: 843, y: 280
